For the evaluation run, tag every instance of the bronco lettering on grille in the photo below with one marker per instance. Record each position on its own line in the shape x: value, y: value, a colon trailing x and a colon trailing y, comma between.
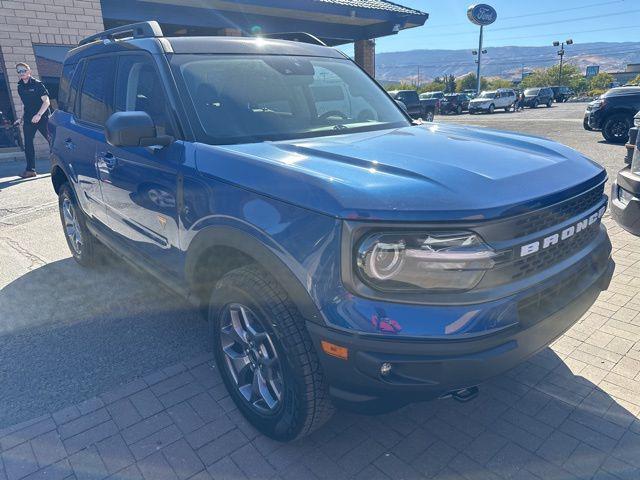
x: 565, y: 234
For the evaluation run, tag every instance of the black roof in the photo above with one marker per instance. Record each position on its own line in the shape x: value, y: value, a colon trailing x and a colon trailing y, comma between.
x: 249, y: 45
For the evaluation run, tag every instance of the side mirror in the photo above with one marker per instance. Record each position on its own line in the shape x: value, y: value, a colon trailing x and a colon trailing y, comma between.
x: 133, y: 129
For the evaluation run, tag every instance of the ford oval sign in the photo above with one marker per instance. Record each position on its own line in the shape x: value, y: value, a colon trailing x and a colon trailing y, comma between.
x: 482, y: 14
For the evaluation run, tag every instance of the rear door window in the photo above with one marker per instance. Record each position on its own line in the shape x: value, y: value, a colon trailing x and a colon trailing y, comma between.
x: 97, y: 90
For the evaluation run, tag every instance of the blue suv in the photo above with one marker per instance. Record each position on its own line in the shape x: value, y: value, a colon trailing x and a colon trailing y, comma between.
x: 344, y: 254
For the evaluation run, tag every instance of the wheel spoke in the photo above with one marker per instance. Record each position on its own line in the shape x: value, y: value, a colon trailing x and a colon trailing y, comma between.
x: 263, y: 390
x: 231, y: 332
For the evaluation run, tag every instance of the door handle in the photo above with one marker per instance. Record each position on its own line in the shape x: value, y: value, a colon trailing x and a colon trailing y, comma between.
x: 68, y: 143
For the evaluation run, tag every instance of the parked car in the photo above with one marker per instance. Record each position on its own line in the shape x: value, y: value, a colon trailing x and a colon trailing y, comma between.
x: 625, y: 192
x: 471, y: 93
x: 489, y: 101
x: 612, y: 113
x: 561, y: 93
x: 411, y: 101
x: 533, y: 97
x: 454, y: 103
x: 337, y: 260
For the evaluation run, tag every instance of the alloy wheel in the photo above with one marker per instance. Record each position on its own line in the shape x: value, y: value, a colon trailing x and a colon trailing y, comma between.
x: 619, y: 129
x: 251, y: 359
x: 71, y: 225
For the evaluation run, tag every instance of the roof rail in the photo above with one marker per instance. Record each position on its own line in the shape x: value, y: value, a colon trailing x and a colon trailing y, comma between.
x: 303, y: 37
x: 134, y: 30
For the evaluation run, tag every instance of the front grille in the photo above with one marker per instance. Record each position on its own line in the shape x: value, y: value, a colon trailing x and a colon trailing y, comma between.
x: 554, y: 254
x: 547, y: 218
x: 549, y: 300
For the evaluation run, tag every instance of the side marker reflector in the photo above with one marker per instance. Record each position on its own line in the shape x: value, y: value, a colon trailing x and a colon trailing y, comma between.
x: 335, y: 350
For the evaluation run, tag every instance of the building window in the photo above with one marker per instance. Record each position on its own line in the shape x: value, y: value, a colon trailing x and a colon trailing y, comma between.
x: 49, y: 60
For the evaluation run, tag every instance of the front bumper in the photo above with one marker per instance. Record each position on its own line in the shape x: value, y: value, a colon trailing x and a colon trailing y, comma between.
x: 426, y: 368
x: 478, y: 108
x: 626, y: 212
x: 591, y: 120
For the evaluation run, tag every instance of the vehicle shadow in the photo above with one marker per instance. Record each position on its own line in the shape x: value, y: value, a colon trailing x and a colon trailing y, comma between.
x: 538, y: 421
x: 69, y: 333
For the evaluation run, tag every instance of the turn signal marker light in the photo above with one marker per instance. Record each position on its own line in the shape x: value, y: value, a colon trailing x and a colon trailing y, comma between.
x: 335, y: 350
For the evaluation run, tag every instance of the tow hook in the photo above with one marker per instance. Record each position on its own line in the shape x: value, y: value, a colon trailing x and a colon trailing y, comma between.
x: 463, y: 395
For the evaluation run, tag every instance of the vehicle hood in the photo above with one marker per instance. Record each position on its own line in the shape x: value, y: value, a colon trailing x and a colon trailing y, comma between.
x: 419, y: 173
x: 481, y: 100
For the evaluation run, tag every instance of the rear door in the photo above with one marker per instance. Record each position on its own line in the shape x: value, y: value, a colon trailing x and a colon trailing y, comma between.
x: 86, y: 131
x: 139, y: 184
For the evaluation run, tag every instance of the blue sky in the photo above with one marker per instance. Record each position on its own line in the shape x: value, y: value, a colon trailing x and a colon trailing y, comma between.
x: 538, y: 22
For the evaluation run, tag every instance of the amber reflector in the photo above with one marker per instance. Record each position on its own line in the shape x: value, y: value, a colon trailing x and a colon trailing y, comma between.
x: 335, y: 350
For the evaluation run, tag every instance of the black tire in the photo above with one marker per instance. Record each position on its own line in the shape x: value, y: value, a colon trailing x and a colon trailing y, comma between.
x: 84, y: 247
x: 535, y: 104
x: 304, y: 403
x: 428, y: 117
x: 492, y: 108
x: 507, y: 109
x: 549, y: 103
x: 459, y: 110
x: 616, y: 128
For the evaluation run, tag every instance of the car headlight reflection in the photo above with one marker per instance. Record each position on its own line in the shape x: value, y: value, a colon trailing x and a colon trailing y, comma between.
x: 417, y: 261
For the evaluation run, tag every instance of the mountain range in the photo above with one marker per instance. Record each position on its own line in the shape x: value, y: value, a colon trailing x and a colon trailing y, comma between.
x: 508, y: 62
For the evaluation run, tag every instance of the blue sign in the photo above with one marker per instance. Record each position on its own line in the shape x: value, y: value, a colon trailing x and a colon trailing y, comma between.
x: 482, y: 14
x: 593, y: 70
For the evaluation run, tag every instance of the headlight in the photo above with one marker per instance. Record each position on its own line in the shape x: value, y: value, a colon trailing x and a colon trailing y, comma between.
x: 417, y: 261
x: 623, y: 196
x: 596, y: 104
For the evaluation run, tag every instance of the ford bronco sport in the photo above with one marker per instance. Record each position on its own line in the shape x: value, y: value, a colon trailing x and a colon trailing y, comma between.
x: 344, y: 254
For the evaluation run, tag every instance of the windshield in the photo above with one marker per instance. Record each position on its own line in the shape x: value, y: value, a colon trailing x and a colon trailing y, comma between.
x: 487, y: 95
x: 253, y: 98
x: 532, y: 91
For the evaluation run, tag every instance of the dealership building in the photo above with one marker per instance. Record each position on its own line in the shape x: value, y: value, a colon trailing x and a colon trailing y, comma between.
x: 40, y: 32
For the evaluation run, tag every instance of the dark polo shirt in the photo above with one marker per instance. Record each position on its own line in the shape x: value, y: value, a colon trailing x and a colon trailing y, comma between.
x: 31, y: 94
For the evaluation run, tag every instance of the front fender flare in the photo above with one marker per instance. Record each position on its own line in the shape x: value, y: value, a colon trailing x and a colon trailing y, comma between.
x: 230, y: 237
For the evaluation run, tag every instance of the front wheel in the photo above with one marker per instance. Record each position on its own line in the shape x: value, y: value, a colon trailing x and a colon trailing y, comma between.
x: 549, y: 103
x: 535, y: 104
x: 616, y: 128
x: 428, y: 116
x: 492, y: 108
x: 266, y: 357
x: 459, y: 110
x: 82, y: 244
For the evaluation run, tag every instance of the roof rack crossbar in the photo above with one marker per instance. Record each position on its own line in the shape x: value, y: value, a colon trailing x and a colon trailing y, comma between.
x: 303, y: 37
x: 135, y: 30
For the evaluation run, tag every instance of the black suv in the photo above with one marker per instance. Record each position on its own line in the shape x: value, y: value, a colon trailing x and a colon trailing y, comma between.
x: 625, y: 198
x: 613, y: 113
x: 538, y: 96
x: 410, y: 100
x: 454, y: 103
x: 561, y: 93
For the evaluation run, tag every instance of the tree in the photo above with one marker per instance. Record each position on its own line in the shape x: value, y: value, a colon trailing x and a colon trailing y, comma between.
x: 635, y: 81
x: 450, y: 84
x: 436, y: 86
x: 470, y: 82
x: 600, y: 82
x: 571, y: 77
x: 496, y: 83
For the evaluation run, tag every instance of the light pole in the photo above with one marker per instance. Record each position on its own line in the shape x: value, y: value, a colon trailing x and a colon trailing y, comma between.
x: 561, y: 54
x: 479, y: 54
x: 481, y: 14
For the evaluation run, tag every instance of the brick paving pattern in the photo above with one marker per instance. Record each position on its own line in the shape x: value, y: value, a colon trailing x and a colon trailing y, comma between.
x: 569, y: 412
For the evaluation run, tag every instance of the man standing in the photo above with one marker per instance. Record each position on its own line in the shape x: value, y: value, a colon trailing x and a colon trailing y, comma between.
x: 35, y: 99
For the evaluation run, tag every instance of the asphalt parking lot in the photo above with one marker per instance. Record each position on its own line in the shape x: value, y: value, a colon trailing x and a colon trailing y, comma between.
x: 105, y: 374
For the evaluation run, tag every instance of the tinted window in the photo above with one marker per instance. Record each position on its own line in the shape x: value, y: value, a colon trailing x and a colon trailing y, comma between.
x: 65, y: 83
x: 532, y: 91
x: 252, y: 98
x: 97, y: 88
x: 139, y: 88
x: 72, y: 104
